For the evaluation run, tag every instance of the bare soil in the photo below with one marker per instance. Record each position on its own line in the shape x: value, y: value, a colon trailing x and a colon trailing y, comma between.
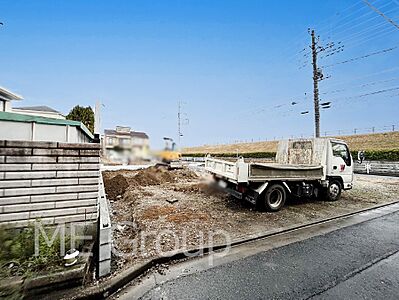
x: 143, y: 215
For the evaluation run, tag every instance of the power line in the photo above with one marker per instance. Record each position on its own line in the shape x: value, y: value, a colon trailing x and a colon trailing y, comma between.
x: 364, y: 76
x: 361, y: 57
x: 368, y: 20
x: 369, y: 29
x: 376, y: 35
x: 354, y: 20
x: 381, y: 13
x: 361, y: 85
x: 367, y: 94
x: 344, y: 17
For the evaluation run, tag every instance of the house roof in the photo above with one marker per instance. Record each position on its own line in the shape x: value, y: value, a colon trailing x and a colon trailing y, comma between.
x: 136, y: 134
x: 42, y: 108
x: 8, y: 95
x: 8, y: 116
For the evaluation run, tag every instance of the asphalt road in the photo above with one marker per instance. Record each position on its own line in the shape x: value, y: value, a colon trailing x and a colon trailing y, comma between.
x: 355, y: 262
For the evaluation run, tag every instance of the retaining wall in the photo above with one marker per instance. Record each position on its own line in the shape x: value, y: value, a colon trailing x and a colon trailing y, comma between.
x: 54, y: 182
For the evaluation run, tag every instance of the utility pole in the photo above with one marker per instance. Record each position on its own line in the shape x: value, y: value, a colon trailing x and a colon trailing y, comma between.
x: 179, y: 134
x: 97, y: 117
x: 316, y: 76
x: 182, y: 120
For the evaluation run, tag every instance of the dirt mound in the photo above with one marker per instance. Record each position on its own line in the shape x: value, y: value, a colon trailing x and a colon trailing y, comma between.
x: 117, y: 182
x: 184, y: 173
x: 153, y: 176
x: 192, y: 188
x: 159, y: 175
x: 115, y: 186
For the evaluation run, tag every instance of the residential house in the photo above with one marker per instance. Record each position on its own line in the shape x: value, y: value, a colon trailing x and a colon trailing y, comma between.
x: 123, y: 145
x: 41, y: 111
x: 37, y: 123
x: 5, y: 99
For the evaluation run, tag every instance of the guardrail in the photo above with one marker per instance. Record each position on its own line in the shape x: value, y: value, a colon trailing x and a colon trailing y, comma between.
x: 372, y: 167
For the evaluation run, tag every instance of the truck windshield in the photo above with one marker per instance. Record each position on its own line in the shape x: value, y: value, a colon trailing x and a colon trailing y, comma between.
x: 341, y: 150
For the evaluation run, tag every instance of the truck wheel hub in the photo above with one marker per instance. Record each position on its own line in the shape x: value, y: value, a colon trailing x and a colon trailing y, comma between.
x: 334, y: 190
x: 275, y: 198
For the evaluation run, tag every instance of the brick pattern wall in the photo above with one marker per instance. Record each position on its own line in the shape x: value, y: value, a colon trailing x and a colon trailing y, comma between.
x: 50, y: 181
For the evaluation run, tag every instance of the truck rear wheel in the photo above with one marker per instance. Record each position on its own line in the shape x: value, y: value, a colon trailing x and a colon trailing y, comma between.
x: 275, y: 197
x: 333, y: 192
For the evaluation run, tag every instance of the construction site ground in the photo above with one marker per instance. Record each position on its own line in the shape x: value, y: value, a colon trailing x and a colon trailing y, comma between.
x: 158, y: 209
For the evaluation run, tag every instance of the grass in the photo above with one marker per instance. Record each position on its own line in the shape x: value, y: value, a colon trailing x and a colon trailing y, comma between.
x: 367, y: 142
x: 17, y: 253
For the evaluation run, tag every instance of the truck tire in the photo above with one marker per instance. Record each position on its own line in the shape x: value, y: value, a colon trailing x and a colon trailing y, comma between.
x: 333, y: 191
x: 275, y: 197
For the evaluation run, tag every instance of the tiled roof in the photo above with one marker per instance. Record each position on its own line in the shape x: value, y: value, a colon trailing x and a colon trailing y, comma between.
x: 136, y: 134
x: 38, y: 108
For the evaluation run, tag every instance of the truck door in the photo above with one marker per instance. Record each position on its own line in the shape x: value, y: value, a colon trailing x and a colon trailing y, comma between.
x: 341, y: 163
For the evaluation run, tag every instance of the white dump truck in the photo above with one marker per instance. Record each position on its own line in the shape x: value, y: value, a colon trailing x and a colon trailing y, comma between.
x: 320, y: 167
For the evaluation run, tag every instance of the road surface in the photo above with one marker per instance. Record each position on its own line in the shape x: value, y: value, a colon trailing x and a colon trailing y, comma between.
x: 354, y: 262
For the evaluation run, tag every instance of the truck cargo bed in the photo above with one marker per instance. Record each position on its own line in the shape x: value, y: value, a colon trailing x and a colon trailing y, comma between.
x: 270, y: 171
x: 241, y: 171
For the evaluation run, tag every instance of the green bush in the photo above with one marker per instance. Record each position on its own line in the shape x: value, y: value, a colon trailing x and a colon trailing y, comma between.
x: 17, y: 254
x: 390, y: 155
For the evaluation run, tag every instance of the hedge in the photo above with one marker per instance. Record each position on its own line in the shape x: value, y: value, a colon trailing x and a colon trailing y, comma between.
x: 245, y: 155
x: 391, y: 155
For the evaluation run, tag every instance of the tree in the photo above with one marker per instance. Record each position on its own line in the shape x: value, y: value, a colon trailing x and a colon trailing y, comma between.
x: 84, y: 115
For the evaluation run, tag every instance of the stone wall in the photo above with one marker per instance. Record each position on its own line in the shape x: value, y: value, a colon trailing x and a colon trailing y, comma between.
x: 54, y: 182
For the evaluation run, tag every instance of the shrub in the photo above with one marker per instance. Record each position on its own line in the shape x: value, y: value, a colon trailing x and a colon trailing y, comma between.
x: 391, y: 155
x: 17, y: 254
x: 245, y: 155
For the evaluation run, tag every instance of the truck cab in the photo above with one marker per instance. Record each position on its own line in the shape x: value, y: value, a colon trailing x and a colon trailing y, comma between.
x: 340, y: 163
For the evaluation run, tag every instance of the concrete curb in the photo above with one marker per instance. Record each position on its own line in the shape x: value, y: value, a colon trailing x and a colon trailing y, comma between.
x: 109, y: 287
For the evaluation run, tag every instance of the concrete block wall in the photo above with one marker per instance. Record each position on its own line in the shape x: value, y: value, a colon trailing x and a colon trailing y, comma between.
x: 51, y: 181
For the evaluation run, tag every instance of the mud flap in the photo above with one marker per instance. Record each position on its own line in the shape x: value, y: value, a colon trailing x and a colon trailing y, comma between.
x: 252, y: 196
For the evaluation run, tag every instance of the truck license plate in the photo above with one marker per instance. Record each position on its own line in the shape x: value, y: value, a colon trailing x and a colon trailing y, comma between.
x: 222, y: 184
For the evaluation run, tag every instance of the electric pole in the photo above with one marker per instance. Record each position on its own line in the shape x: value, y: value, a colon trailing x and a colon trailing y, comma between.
x: 97, y: 117
x: 179, y: 134
x: 181, y: 121
x: 316, y: 77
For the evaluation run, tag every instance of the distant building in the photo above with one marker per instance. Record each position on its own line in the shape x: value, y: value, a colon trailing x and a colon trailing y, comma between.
x: 123, y: 145
x: 37, y: 123
x: 41, y: 111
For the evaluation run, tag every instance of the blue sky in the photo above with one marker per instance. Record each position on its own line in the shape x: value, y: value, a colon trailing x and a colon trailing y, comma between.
x: 236, y: 65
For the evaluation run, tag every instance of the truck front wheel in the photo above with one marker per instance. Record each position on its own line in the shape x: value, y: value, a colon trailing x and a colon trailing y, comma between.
x: 334, y: 189
x: 275, y: 197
